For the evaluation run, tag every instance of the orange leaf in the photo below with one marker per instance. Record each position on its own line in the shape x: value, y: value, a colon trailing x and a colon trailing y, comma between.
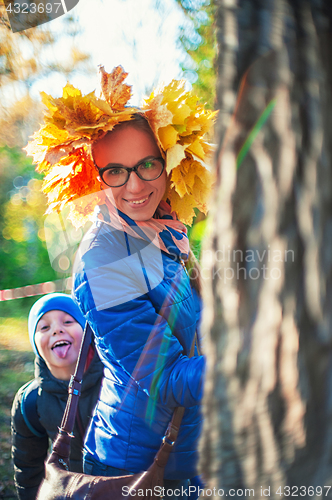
x: 116, y: 93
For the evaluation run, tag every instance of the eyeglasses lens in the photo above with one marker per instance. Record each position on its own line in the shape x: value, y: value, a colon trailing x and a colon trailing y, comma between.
x: 115, y: 176
x: 148, y: 171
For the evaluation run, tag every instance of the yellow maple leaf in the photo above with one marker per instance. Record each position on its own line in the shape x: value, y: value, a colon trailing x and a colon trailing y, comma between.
x: 158, y: 116
x: 79, y: 111
x: 168, y: 137
x: 182, y: 104
x: 197, y: 149
x: 190, y: 182
x: 108, y: 111
x: 180, y: 112
x: 179, y: 182
x: 52, y: 135
x: 103, y: 125
x: 69, y: 92
x: 48, y: 137
x: 200, y: 121
x: 175, y: 117
x: 116, y: 93
x: 174, y: 156
x: 184, y: 207
x: 48, y: 101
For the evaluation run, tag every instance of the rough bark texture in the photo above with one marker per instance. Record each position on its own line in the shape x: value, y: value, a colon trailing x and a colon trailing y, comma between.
x: 268, y: 264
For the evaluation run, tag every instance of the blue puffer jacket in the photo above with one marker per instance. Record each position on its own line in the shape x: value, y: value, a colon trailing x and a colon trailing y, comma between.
x: 144, y: 313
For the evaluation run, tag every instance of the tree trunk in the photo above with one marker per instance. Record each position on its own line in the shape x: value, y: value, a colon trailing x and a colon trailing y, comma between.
x: 268, y: 262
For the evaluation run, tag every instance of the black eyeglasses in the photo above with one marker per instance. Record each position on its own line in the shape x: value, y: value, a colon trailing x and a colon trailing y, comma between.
x: 116, y: 175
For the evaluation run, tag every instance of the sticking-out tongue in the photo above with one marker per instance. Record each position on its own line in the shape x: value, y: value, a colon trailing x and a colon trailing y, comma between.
x: 61, y: 350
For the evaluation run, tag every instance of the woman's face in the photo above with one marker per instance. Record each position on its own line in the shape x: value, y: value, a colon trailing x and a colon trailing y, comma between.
x: 58, y: 339
x: 127, y: 146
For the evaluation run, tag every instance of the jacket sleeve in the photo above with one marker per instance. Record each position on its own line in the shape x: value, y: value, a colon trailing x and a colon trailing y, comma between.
x: 28, y: 452
x: 131, y: 333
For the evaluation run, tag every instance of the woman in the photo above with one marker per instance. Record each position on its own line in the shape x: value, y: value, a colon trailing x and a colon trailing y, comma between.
x: 131, y: 282
x: 55, y: 330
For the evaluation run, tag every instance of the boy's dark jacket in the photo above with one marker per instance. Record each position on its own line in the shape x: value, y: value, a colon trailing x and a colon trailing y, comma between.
x: 29, y: 451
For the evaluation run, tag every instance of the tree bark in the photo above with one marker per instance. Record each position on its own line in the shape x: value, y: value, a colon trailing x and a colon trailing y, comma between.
x: 268, y: 262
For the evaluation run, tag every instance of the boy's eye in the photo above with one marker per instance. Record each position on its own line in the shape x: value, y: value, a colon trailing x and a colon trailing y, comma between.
x: 44, y: 327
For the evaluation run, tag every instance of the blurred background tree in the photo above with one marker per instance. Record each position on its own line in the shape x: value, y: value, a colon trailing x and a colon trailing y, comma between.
x: 268, y: 314
x: 26, y: 57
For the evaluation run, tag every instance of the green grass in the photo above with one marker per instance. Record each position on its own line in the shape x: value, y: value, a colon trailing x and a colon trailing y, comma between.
x: 16, y: 368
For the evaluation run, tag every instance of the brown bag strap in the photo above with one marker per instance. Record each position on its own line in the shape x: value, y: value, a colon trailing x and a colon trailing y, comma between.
x: 173, y: 427
x: 74, y: 387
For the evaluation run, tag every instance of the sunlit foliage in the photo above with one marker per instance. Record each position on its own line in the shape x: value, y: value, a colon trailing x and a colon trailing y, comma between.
x: 23, y: 253
x: 199, y: 41
x: 25, y: 57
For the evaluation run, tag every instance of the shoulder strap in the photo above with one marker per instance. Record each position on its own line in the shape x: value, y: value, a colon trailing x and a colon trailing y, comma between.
x: 173, y: 427
x: 29, y: 409
x: 74, y: 387
x: 61, y: 446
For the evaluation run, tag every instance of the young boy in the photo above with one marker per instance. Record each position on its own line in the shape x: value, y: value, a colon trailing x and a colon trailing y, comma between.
x: 55, y: 330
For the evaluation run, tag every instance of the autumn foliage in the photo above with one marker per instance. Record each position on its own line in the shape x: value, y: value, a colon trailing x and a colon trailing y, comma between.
x: 62, y: 147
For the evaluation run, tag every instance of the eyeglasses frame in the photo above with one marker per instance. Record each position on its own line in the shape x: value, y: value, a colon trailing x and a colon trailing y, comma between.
x: 132, y: 169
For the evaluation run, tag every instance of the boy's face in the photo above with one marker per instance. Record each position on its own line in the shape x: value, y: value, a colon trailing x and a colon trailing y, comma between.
x: 58, y: 339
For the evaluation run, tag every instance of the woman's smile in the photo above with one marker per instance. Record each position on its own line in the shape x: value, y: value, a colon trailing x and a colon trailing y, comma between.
x: 139, y: 202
